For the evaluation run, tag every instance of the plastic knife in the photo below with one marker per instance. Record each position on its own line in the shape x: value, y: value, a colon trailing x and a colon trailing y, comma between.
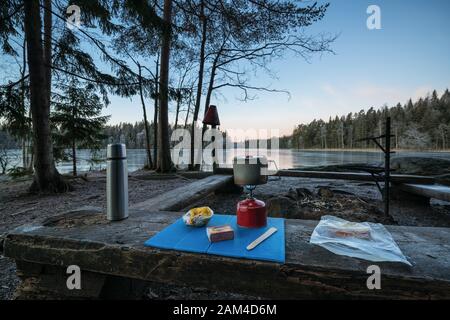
x: 261, y: 238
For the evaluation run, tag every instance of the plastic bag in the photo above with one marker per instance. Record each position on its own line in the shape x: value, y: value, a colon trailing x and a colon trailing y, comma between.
x: 369, y: 241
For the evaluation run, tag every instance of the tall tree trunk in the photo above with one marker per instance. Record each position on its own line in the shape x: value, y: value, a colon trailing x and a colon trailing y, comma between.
x: 48, y: 46
x: 147, y: 130
x: 30, y: 146
x: 164, y: 163
x: 212, y: 78
x: 155, y: 114
x: 187, y: 112
x: 208, y: 100
x: 443, y: 138
x: 24, y: 155
x: 199, y: 84
x: 74, y: 158
x: 74, y: 146
x: 46, y: 177
x: 23, y: 70
x: 396, y: 137
x: 350, y: 135
x: 210, y: 89
x: 178, y: 109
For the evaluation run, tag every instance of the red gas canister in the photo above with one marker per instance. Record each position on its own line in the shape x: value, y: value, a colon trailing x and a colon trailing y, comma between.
x: 251, y: 213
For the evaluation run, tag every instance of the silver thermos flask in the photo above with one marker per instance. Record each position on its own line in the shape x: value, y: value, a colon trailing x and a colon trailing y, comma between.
x: 116, y: 182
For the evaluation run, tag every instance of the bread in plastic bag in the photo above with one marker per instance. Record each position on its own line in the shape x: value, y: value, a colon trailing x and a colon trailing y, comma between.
x: 369, y: 241
x: 198, y: 217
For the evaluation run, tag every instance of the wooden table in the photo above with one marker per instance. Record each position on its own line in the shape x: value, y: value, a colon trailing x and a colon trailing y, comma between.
x: 105, y: 251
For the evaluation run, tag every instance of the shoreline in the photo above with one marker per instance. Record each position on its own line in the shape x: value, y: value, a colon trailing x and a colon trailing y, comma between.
x: 312, y: 149
x: 292, y: 158
x: 375, y: 150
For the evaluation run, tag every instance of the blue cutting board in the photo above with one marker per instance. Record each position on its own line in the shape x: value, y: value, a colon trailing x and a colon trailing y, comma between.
x: 178, y: 236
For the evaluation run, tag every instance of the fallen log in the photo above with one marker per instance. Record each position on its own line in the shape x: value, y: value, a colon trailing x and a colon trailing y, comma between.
x: 181, y: 197
x: 358, y: 176
x: 428, y: 191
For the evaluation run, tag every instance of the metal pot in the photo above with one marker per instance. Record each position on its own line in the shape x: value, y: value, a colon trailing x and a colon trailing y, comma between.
x: 250, y: 170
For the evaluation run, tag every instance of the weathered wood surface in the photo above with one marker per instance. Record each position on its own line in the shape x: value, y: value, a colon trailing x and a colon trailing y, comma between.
x: 357, y: 176
x: 116, y: 248
x: 181, y: 197
x: 430, y: 191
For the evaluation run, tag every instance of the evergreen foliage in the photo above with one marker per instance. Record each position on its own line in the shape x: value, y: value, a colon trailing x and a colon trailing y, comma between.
x: 76, y: 119
x: 424, y: 124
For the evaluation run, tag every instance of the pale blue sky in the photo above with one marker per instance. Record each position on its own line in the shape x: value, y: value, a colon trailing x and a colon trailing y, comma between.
x: 408, y: 57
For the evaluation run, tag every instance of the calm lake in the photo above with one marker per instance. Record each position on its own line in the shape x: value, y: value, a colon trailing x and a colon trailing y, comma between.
x: 286, y: 158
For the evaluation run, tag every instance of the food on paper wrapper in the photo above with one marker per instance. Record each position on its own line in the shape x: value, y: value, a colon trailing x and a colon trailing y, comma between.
x: 351, y: 229
x: 220, y: 233
x: 198, y: 217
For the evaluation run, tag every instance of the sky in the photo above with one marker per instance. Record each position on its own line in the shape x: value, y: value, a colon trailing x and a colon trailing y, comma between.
x: 408, y: 57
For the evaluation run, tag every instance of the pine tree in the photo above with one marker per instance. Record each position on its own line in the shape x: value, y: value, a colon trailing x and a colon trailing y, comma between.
x: 55, y: 51
x: 424, y: 124
x: 77, y: 118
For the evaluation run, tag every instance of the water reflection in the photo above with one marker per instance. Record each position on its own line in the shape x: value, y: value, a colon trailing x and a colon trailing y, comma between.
x: 285, y: 158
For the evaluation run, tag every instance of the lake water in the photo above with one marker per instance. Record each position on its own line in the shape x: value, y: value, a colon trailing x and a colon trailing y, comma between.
x: 286, y: 158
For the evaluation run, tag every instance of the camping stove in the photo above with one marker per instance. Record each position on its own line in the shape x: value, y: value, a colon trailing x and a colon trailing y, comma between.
x: 249, y: 172
x: 251, y: 212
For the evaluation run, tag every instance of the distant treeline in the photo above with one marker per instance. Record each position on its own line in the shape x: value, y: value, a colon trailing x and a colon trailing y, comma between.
x: 131, y: 134
x: 424, y: 124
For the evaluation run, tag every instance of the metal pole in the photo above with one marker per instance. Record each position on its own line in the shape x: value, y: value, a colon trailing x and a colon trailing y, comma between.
x: 117, y: 182
x: 387, y: 166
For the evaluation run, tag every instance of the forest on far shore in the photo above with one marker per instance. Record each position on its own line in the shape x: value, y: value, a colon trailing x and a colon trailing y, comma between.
x: 420, y: 125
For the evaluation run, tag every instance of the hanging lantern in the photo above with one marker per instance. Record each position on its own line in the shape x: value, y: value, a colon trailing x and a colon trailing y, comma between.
x: 211, y: 117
